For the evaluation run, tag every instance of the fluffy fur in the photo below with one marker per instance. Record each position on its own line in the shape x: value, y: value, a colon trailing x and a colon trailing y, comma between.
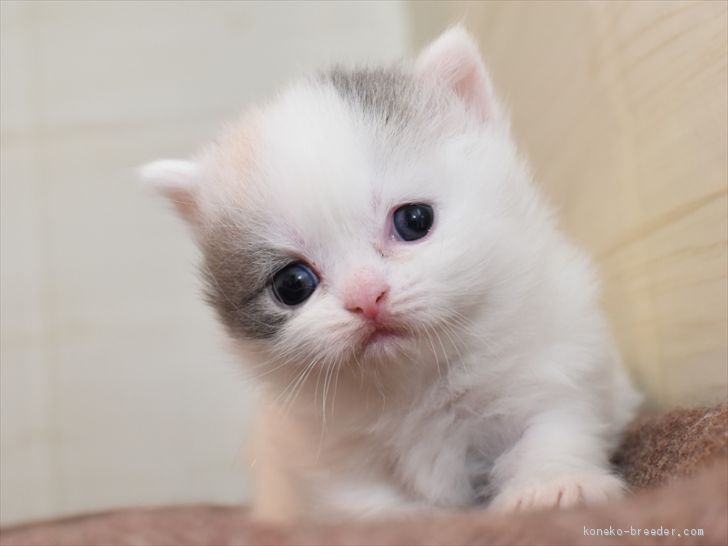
x: 502, y: 385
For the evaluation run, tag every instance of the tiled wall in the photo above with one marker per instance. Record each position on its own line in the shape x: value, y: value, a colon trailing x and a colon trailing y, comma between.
x: 116, y: 389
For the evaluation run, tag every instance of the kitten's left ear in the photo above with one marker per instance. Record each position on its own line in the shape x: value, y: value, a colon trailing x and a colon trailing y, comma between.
x: 453, y: 59
x: 177, y: 180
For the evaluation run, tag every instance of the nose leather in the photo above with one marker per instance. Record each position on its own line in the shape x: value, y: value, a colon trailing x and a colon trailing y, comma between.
x: 366, y: 295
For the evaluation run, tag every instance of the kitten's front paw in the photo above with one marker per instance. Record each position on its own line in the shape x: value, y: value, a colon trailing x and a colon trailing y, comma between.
x: 564, y: 492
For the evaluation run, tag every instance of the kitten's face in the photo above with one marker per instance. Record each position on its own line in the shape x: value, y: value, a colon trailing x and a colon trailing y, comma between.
x: 361, y: 217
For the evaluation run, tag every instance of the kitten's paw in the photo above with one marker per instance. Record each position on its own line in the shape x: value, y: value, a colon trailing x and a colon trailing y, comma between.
x: 564, y: 492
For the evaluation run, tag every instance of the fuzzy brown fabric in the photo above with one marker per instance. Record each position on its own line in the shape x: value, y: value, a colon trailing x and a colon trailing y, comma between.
x: 687, y: 448
x: 675, y: 444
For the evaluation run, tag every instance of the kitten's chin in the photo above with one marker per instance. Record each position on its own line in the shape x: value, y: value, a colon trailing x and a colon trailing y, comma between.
x: 382, y: 340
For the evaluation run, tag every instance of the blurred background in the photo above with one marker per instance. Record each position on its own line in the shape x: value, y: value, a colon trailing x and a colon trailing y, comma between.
x: 116, y: 389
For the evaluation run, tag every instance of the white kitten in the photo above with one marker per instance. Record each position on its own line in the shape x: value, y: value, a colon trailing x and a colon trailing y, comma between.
x: 426, y: 337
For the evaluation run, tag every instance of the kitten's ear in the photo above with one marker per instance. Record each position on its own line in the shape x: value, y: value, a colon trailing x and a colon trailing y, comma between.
x: 453, y: 59
x: 177, y: 180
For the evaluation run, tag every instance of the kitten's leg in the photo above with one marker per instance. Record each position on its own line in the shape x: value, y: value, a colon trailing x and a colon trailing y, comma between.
x: 342, y: 500
x: 366, y: 500
x: 294, y: 482
x: 561, y: 460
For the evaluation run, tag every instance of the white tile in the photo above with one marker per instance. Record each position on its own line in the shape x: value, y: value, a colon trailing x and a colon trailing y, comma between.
x: 132, y: 63
x: 26, y: 472
x: 158, y: 419
x: 139, y: 367
x: 17, y: 62
x: 25, y: 390
x: 21, y: 242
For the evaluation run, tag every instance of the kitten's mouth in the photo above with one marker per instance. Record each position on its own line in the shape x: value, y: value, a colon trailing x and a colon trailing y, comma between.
x: 381, y: 335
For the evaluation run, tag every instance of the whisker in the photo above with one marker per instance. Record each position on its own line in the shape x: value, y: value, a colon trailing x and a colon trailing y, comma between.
x: 300, y: 384
x: 434, y: 351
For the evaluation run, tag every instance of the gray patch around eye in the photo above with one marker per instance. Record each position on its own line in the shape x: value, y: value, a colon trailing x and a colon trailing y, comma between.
x: 236, y: 277
x: 385, y: 93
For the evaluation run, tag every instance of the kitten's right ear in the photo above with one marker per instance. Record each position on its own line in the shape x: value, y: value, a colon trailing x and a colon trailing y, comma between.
x: 453, y: 59
x: 178, y: 180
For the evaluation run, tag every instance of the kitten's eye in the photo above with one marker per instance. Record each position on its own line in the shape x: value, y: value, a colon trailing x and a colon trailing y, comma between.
x: 413, y: 221
x: 294, y: 283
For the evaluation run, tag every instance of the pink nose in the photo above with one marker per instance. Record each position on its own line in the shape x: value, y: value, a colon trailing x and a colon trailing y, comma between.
x: 366, y: 296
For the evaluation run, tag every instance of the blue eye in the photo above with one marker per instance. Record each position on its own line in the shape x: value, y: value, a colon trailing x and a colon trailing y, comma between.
x: 413, y: 221
x: 294, y: 283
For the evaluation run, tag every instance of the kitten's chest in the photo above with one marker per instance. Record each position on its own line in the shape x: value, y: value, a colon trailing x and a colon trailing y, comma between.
x: 445, y: 452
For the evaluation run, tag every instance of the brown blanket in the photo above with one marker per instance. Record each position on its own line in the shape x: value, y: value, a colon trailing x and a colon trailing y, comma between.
x: 677, y: 463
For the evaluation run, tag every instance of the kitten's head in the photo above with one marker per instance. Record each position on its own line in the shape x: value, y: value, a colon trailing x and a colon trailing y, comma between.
x: 362, y: 215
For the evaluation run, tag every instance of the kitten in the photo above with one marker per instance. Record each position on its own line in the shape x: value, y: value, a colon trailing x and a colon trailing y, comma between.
x: 426, y: 337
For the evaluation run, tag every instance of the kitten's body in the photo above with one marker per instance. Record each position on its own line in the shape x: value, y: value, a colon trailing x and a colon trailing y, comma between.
x: 485, y: 371
x: 433, y: 440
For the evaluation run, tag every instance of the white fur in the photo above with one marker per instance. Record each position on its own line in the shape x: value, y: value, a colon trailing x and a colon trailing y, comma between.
x: 175, y: 179
x: 510, y: 386
x: 170, y: 174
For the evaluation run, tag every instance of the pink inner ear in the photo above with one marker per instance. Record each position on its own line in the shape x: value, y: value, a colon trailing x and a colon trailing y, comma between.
x: 183, y: 202
x: 454, y: 60
x: 472, y: 87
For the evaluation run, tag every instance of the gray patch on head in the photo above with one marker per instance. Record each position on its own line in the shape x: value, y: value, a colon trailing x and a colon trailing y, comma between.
x: 237, y: 282
x: 383, y: 93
